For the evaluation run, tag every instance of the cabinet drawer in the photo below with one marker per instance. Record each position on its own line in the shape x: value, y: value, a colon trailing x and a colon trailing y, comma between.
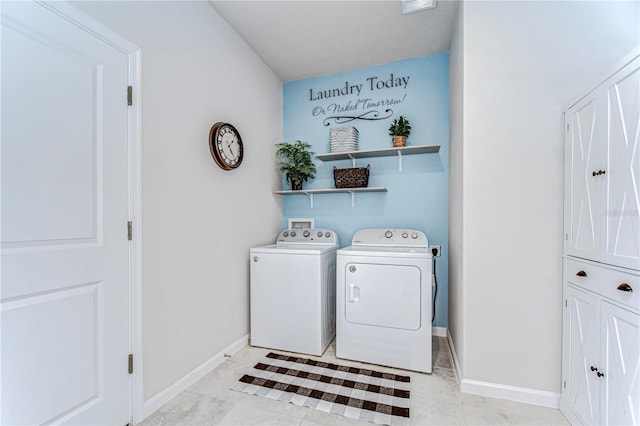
x: 609, y: 283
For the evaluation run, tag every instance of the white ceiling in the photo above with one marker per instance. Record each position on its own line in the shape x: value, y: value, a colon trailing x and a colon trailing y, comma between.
x: 303, y: 39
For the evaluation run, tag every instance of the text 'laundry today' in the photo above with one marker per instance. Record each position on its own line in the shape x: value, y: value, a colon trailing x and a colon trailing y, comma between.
x: 371, y: 83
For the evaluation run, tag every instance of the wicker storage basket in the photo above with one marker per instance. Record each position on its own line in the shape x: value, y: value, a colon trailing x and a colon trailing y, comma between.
x: 355, y: 177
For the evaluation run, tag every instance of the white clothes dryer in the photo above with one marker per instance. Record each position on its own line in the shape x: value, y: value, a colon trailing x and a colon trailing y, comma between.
x: 293, y: 291
x: 384, y: 299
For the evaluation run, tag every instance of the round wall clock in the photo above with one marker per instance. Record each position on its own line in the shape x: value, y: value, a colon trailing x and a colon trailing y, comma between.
x: 226, y: 146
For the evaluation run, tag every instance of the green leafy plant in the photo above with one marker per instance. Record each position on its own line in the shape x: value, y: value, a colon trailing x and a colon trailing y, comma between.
x: 400, y: 127
x: 296, y: 162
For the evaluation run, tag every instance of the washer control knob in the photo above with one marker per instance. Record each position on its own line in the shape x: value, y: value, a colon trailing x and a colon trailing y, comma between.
x: 306, y: 233
x: 405, y: 235
x: 293, y: 233
x: 327, y: 234
x: 286, y: 234
x: 388, y: 234
x: 414, y: 235
x: 319, y: 233
x: 352, y: 268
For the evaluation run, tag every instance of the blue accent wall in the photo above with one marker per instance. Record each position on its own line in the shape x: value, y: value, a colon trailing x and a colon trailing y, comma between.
x: 417, y: 196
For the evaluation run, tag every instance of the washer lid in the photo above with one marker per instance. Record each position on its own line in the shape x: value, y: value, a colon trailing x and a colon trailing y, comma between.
x: 390, y: 238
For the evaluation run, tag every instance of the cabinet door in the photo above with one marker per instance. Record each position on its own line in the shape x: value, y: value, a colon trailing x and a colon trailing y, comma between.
x: 621, y: 365
x: 582, y: 394
x: 585, y: 153
x: 622, y: 222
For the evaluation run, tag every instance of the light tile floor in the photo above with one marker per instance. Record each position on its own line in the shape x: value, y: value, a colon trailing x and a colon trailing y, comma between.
x: 435, y: 399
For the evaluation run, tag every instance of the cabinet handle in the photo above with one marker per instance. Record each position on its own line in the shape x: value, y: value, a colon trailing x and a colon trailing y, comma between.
x: 625, y: 287
x: 598, y: 173
x: 600, y: 374
x: 593, y: 368
x: 594, y: 174
x: 581, y: 274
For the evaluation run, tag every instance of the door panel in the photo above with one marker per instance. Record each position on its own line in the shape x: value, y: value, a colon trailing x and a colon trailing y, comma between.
x: 584, y: 393
x: 383, y: 295
x: 623, y: 203
x: 63, y: 325
x: 622, y: 366
x: 65, y: 279
x: 63, y: 144
x: 585, y: 190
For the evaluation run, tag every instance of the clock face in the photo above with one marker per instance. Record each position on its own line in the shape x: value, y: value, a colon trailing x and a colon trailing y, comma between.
x: 226, y: 146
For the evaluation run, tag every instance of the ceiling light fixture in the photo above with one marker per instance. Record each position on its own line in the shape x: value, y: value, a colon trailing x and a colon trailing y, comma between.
x: 410, y: 6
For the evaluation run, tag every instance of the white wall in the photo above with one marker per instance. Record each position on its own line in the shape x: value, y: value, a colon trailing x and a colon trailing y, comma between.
x: 523, y: 61
x: 456, y: 189
x: 198, y: 221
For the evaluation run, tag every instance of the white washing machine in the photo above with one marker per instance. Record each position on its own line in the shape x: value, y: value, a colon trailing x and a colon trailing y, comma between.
x: 293, y: 291
x: 384, y: 299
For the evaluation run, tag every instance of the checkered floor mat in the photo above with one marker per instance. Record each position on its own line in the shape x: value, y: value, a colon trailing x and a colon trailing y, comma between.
x: 355, y: 393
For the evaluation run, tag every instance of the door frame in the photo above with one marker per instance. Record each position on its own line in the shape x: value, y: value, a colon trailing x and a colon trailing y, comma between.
x: 133, y: 52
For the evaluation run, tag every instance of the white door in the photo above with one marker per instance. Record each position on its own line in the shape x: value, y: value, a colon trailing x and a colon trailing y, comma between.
x: 383, y: 295
x: 623, y: 192
x: 621, y: 364
x: 65, y: 284
x: 584, y: 191
x: 583, y: 334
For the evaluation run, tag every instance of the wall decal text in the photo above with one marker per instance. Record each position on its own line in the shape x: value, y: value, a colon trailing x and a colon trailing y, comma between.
x: 372, y: 83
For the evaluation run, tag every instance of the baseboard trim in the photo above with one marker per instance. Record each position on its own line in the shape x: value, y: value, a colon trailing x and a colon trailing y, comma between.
x: 456, y: 365
x: 496, y: 390
x: 182, y: 384
x: 439, y: 331
x: 512, y: 393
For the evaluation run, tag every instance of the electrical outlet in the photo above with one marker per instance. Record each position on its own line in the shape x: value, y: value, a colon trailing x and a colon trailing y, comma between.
x: 435, y: 247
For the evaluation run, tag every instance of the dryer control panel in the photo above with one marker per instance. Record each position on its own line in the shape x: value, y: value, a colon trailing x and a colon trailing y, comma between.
x: 390, y: 238
x: 322, y: 237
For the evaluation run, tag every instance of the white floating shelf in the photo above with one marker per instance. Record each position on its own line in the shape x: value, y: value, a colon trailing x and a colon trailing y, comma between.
x: 352, y: 191
x: 384, y: 152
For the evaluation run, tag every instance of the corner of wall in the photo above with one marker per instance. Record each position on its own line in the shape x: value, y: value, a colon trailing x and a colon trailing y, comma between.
x: 456, y: 188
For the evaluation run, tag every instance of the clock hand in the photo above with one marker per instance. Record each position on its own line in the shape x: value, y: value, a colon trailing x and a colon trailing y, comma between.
x: 235, y: 156
x: 232, y: 151
x: 228, y: 149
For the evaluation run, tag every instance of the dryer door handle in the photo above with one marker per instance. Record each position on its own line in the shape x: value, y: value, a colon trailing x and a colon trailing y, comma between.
x: 354, y: 293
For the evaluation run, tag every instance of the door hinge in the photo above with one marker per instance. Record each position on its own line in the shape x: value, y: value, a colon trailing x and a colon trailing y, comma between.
x: 130, y: 230
x: 565, y: 384
x: 567, y: 124
x: 129, y: 95
x: 565, y: 303
x: 130, y: 363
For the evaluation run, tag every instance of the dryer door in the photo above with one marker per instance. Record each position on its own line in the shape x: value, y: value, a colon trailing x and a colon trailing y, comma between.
x: 383, y: 295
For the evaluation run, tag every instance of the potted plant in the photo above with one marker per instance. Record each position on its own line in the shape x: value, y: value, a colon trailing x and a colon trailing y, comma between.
x: 296, y: 162
x: 400, y: 129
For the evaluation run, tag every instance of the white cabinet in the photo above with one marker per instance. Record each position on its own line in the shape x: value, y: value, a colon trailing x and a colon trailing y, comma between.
x: 601, y: 346
x: 581, y: 388
x: 601, y: 286
x: 621, y: 342
x: 602, y: 172
x: 584, y: 193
